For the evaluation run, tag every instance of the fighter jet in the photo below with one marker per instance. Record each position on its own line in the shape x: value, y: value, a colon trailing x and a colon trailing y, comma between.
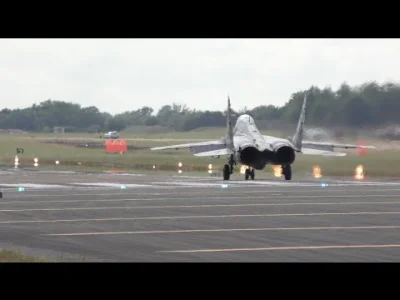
x: 245, y: 144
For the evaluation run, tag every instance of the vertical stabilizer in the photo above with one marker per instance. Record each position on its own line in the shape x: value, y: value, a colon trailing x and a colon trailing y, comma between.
x: 229, y: 134
x: 297, y: 140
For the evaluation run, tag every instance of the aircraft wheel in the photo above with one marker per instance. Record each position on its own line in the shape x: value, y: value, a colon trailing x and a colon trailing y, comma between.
x: 287, y: 171
x: 226, y: 172
x: 1, y: 195
x: 252, y: 174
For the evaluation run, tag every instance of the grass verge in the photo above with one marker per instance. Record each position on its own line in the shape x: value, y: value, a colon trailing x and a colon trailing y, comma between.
x: 383, y: 163
x: 16, y: 256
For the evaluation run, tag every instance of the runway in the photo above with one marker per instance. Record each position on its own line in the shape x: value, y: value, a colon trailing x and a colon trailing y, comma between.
x: 167, y: 218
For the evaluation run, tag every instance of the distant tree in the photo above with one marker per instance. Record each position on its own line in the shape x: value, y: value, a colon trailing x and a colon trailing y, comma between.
x: 369, y: 103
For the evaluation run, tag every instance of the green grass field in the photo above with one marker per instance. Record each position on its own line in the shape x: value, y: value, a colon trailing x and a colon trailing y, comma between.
x: 376, y: 162
x: 15, y: 256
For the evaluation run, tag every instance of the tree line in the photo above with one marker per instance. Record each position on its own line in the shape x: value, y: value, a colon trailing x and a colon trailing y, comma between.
x: 369, y: 104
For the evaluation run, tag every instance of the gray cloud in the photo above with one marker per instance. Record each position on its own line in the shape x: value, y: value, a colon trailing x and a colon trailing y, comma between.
x: 125, y: 74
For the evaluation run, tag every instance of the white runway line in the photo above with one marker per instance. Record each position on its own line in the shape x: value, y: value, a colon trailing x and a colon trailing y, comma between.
x: 221, y: 230
x: 112, y: 194
x: 266, y: 194
x: 128, y: 200
x: 192, y: 198
x: 233, y: 183
x: 110, y: 184
x: 34, y: 185
x: 123, y: 174
x: 198, y: 206
x: 188, y: 184
x: 200, y: 217
x: 284, y: 248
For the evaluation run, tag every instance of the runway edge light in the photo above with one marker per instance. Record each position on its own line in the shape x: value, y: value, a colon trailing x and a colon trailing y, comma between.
x: 16, y: 161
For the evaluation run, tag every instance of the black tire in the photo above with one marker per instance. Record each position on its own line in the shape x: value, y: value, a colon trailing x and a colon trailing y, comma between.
x: 252, y: 174
x: 288, y: 172
x: 226, y: 172
x: 246, y: 174
x: 1, y: 195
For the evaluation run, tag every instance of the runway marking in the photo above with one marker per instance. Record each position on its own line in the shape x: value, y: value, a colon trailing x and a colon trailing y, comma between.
x: 200, y: 193
x: 73, y: 195
x: 176, y: 184
x: 222, y: 230
x: 34, y: 185
x: 197, y: 206
x: 278, y: 183
x: 255, y: 189
x: 199, y: 217
x: 269, y: 197
x: 124, y: 174
x: 188, y: 184
x: 284, y: 248
x: 110, y: 184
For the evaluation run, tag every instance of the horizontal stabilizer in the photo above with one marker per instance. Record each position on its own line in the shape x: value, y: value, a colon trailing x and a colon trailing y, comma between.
x: 310, y: 151
x: 320, y: 145
x: 225, y: 151
x: 193, y: 145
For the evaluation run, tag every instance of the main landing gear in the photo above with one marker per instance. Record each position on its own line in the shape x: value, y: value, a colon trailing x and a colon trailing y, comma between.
x: 249, y: 172
x: 287, y: 171
x: 228, y: 168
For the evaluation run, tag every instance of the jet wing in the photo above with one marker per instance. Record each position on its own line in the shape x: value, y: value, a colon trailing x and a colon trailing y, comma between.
x: 328, y: 145
x: 327, y: 148
x: 209, y: 148
x: 310, y: 151
x: 219, y: 152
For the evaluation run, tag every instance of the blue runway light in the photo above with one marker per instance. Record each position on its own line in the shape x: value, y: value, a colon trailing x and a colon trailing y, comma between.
x: 324, y: 184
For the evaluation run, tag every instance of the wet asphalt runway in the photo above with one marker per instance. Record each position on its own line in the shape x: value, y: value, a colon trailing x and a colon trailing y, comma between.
x: 166, y: 218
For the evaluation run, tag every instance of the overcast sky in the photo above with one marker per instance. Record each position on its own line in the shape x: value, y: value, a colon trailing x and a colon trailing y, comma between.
x: 116, y: 75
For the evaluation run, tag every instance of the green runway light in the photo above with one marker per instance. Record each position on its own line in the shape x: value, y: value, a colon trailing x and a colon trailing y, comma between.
x: 20, y: 189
